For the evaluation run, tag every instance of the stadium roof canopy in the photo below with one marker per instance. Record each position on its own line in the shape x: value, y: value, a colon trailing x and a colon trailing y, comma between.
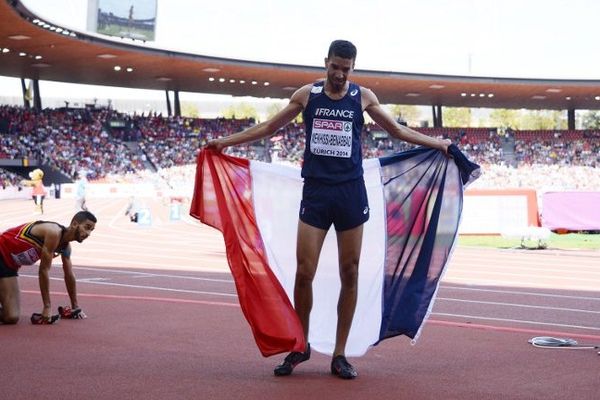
x: 40, y: 50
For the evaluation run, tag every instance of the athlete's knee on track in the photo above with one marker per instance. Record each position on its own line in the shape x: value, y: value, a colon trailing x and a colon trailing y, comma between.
x: 9, y: 313
x: 9, y: 318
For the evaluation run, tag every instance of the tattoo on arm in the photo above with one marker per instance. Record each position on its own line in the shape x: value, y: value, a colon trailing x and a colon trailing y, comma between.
x: 67, y: 252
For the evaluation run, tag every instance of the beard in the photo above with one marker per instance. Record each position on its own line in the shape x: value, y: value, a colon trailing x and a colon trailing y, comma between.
x: 336, y: 83
x: 79, y: 237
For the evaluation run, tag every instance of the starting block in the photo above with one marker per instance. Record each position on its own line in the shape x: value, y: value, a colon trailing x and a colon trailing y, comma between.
x: 175, y: 211
x: 144, y: 217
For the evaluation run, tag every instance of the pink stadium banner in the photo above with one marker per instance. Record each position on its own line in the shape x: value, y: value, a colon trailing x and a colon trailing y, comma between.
x: 573, y: 211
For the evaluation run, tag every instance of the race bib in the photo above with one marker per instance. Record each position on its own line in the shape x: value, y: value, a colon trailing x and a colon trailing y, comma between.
x: 27, y: 257
x: 331, y: 138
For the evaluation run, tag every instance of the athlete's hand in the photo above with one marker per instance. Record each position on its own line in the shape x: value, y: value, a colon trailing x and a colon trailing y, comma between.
x: 46, y: 312
x: 39, y: 319
x: 71, y: 313
x: 444, y: 144
x: 215, y: 144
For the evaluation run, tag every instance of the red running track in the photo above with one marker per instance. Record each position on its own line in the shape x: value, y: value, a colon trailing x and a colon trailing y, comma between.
x: 164, y: 324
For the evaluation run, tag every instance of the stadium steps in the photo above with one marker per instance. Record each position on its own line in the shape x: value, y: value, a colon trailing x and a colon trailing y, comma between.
x: 135, y: 148
x: 508, y: 150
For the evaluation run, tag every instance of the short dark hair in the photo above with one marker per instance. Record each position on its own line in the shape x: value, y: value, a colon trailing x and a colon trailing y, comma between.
x: 343, y: 49
x: 82, y: 216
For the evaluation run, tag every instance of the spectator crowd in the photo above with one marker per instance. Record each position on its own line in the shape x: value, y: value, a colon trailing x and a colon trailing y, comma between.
x: 112, y: 146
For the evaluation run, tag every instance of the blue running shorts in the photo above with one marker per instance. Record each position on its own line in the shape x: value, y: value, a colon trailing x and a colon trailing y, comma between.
x: 344, y: 205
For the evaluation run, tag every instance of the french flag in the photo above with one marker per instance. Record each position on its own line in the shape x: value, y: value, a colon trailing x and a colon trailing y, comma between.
x: 416, y: 201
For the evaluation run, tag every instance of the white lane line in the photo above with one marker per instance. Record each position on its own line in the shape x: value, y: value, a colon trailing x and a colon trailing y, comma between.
x: 156, y: 265
x: 116, y: 271
x: 153, y: 275
x: 120, y: 214
x: 560, y: 296
x: 495, y: 303
x: 555, y: 255
x: 457, y: 273
x: 518, y: 321
x: 144, y: 287
x: 129, y: 257
x: 542, y: 268
x: 163, y: 289
x: 560, y: 285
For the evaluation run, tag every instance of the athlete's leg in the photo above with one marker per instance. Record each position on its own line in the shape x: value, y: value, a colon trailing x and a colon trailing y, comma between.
x: 349, y: 246
x: 9, y: 300
x: 308, y: 247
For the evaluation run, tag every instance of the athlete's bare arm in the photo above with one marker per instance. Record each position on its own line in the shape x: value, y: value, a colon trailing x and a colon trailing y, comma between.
x: 70, y: 281
x: 287, y: 114
x: 50, y: 233
x: 371, y: 105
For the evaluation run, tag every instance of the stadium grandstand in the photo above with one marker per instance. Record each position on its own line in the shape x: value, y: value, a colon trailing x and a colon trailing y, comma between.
x: 67, y: 140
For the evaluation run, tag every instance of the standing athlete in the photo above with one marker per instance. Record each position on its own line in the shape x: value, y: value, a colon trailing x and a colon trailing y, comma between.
x: 81, y: 184
x: 40, y: 240
x: 334, y: 190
